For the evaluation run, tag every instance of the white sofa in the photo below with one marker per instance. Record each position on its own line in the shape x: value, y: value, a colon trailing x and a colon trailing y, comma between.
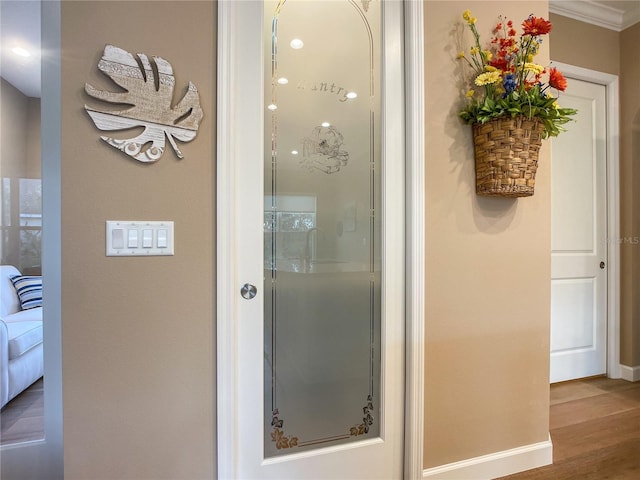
x: 21, y: 357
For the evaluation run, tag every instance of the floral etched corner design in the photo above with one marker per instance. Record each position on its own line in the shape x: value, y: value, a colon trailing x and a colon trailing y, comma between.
x: 277, y: 435
x: 367, y: 419
x: 284, y: 441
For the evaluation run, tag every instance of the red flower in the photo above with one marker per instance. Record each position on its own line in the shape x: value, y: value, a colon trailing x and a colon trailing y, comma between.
x: 500, y: 63
x: 557, y: 80
x: 536, y: 26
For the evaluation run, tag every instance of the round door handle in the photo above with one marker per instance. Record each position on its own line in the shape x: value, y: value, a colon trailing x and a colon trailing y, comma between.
x: 248, y: 291
x: 602, y: 265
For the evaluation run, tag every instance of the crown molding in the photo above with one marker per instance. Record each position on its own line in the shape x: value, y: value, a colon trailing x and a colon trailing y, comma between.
x: 595, y: 13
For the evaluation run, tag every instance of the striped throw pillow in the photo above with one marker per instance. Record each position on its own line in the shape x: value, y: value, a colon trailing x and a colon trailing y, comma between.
x: 29, y: 289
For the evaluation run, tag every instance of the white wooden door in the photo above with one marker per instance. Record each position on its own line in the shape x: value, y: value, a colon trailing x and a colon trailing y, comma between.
x: 311, y: 269
x: 578, y: 232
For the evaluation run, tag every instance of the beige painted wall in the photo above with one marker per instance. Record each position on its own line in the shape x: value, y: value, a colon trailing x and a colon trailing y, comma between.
x: 487, y: 285
x: 20, y: 133
x: 13, y: 131
x: 598, y: 47
x: 630, y: 193
x: 34, y: 162
x: 19, y: 157
x: 13, y: 156
x: 138, y: 333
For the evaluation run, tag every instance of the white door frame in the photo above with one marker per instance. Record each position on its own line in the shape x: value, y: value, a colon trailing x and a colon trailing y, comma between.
x: 227, y: 375
x: 613, y: 207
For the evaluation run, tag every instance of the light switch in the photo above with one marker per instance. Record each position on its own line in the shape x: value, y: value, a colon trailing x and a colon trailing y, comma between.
x: 132, y: 238
x: 162, y: 238
x: 147, y: 238
x: 139, y: 238
x: 117, y: 238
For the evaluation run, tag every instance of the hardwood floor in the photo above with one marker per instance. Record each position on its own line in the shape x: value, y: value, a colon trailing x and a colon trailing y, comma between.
x: 594, y: 425
x: 22, y: 419
x: 595, y: 430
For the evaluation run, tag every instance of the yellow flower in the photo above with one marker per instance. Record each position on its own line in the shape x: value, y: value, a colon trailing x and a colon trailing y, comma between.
x: 474, y: 50
x: 533, y: 67
x: 466, y: 15
x: 472, y: 20
x: 490, y: 68
x: 488, y: 55
x: 487, y: 78
x: 460, y: 55
x: 530, y: 58
x: 470, y: 93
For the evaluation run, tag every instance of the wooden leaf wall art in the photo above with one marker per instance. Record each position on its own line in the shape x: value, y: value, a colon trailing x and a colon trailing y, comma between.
x: 150, y: 101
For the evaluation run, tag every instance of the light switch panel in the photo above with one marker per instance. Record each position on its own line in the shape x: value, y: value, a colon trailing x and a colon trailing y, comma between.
x: 139, y: 238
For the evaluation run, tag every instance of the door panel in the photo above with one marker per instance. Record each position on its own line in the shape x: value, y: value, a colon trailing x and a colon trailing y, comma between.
x: 318, y: 218
x: 578, y: 237
x: 322, y: 224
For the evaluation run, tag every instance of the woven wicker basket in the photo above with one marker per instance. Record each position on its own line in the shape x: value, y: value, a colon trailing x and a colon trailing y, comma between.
x: 506, y: 151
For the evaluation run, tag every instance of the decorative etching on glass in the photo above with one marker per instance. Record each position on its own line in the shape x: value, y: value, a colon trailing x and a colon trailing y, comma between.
x: 322, y: 150
x: 322, y: 278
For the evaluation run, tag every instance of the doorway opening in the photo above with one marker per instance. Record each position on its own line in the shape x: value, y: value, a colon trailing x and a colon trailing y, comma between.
x: 22, y: 415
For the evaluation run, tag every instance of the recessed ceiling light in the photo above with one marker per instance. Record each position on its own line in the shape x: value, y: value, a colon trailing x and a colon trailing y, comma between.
x: 283, y: 81
x: 352, y: 95
x: 296, y: 44
x: 294, y: 152
x: 21, y: 52
x: 325, y: 124
x: 272, y: 107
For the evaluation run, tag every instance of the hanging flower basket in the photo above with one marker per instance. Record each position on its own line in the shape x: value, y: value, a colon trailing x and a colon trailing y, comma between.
x: 506, y: 152
x: 514, y: 107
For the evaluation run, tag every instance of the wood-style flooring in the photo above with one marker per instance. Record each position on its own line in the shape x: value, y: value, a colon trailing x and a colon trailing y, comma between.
x: 595, y: 429
x: 22, y: 419
x: 594, y: 426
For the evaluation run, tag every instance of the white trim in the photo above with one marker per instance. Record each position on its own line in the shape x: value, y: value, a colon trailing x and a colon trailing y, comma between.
x: 630, y: 374
x: 596, y: 13
x: 496, y: 464
x: 613, y: 207
x: 415, y: 260
x: 225, y: 253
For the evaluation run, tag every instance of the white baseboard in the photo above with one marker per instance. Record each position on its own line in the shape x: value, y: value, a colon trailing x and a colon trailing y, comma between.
x: 631, y: 374
x: 495, y: 465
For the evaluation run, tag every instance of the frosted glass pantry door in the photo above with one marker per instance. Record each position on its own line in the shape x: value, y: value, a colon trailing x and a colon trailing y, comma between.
x: 320, y: 345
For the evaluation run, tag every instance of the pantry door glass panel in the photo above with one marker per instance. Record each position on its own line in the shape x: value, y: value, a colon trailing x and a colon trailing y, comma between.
x: 322, y: 224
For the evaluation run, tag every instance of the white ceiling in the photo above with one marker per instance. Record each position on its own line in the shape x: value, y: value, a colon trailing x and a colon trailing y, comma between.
x: 20, y: 26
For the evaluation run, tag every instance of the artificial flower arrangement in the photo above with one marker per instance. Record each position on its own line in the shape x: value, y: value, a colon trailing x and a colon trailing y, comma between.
x: 515, y: 109
x: 512, y: 83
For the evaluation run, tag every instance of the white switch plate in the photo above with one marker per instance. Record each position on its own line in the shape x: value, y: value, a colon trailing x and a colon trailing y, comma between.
x: 126, y: 238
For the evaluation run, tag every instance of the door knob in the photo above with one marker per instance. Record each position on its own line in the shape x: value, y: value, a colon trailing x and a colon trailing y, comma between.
x: 602, y: 265
x: 248, y: 291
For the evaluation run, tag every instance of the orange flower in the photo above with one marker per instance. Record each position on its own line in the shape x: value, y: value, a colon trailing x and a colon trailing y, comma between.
x: 557, y: 80
x: 536, y: 26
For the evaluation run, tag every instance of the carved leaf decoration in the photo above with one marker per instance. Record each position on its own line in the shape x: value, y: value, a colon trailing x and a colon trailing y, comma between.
x: 148, y: 101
